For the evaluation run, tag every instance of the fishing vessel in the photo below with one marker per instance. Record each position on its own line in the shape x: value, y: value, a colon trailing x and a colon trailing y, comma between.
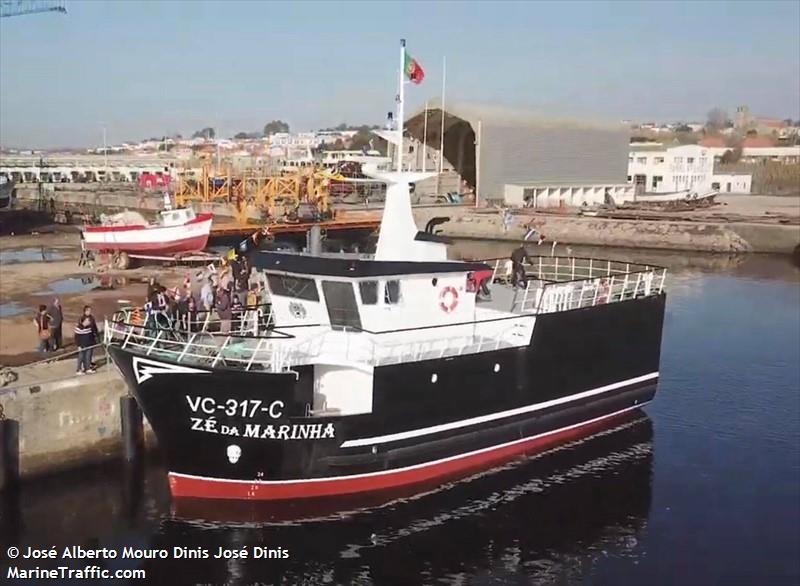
x: 176, y: 231
x: 395, y: 370
x: 388, y: 370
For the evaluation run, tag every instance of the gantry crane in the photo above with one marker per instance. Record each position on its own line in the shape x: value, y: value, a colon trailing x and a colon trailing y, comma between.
x: 20, y: 7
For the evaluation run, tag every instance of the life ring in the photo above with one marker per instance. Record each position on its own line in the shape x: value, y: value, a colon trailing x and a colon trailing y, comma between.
x: 448, y: 299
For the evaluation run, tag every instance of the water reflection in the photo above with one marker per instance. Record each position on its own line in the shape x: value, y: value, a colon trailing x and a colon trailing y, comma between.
x: 73, y: 285
x: 541, y: 517
x: 30, y: 254
x: 12, y: 308
x: 531, y: 518
x: 537, y: 517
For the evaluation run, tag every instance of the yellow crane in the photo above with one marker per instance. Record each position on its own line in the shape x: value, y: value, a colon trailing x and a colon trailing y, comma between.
x: 274, y: 195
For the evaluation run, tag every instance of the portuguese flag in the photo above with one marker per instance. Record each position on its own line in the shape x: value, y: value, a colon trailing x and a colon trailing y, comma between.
x: 413, y: 71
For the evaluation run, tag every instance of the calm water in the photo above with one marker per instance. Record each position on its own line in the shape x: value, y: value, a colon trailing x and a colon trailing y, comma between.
x: 31, y: 254
x: 702, y: 489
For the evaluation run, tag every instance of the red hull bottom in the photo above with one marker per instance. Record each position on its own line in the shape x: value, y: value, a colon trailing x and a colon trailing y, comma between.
x: 194, y: 244
x: 182, y: 485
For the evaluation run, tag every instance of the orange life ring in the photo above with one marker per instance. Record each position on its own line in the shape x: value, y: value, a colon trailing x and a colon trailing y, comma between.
x: 448, y: 299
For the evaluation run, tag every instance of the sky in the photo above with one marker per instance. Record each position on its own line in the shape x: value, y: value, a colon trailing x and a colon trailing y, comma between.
x: 144, y: 69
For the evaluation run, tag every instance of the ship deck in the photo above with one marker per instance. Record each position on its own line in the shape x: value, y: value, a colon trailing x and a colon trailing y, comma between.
x: 554, y: 284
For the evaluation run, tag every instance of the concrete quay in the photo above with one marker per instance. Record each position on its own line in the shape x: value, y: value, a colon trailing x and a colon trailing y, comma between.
x: 735, y: 233
x: 765, y: 224
x: 65, y: 421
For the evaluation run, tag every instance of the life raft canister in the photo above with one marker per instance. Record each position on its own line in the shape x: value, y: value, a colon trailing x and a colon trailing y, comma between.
x: 448, y: 299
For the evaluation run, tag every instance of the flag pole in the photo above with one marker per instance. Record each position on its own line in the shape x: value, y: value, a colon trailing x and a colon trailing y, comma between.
x: 441, y: 137
x: 400, y: 119
x: 425, y: 139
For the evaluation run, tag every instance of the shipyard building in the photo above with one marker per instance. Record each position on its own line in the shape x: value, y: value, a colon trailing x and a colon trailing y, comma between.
x: 522, y: 158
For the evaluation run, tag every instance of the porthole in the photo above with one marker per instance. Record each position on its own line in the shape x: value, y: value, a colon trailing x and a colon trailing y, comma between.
x: 497, y: 367
x: 434, y: 281
x: 434, y: 377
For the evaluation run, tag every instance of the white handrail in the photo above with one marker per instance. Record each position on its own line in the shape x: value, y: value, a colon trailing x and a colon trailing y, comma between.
x: 221, y: 350
x: 255, y: 352
x: 186, y: 347
x: 155, y: 342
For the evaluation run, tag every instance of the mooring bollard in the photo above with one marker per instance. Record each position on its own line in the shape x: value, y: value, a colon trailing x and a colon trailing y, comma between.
x: 9, y: 452
x: 132, y: 428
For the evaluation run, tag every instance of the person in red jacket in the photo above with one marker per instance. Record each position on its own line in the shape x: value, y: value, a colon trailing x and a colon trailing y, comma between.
x: 43, y: 323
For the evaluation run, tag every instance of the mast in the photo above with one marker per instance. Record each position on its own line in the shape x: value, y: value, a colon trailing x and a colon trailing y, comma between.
x: 425, y: 140
x: 400, y: 118
x: 441, y: 134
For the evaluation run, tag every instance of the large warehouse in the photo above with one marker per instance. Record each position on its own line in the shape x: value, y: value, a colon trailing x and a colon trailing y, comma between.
x: 493, y: 147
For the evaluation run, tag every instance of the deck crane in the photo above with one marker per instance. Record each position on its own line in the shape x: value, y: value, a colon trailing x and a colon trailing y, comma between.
x: 20, y: 7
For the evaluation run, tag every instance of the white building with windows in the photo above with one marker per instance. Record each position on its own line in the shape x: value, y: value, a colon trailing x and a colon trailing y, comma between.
x: 653, y: 168
x: 301, y: 140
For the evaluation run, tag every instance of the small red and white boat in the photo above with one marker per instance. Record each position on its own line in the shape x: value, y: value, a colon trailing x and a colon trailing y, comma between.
x: 177, y: 231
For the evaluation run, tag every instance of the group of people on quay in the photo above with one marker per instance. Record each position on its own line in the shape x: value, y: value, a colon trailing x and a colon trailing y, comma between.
x: 49, y: 322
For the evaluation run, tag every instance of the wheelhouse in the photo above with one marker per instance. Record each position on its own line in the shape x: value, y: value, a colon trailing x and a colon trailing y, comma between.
x: 368, y: 295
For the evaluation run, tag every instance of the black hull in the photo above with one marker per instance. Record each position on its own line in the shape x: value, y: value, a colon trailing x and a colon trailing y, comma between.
x: 582, y: 369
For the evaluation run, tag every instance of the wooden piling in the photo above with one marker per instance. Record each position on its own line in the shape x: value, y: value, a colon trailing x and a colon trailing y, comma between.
x: 132, y: 428
x: 9, y: 454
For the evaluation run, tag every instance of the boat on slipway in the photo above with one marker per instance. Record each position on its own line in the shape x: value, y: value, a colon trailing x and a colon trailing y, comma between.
x: 176, y: 231
x: 388, y: 371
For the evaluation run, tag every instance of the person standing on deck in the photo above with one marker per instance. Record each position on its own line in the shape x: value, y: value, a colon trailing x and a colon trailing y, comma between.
x: 207, y: 297
x: 224, y: 309
x: 191, y: 315
x: 518, y: 257
x: 251, y: 309
x: 237, y: 312
x: 181, y: 309
x: 85, y: 339
x: 57, y: 320
x: 234, y: 267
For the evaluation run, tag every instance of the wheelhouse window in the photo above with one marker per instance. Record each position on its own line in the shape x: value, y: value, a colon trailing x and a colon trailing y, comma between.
x: 295, y: 287
x: 369, y: 292
x: 391, y: 295
x: 341, y: 303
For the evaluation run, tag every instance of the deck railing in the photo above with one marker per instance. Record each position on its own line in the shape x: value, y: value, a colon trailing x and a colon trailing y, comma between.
x: 557, y: 283
x: 280, y: 349
x: 254, y: 343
